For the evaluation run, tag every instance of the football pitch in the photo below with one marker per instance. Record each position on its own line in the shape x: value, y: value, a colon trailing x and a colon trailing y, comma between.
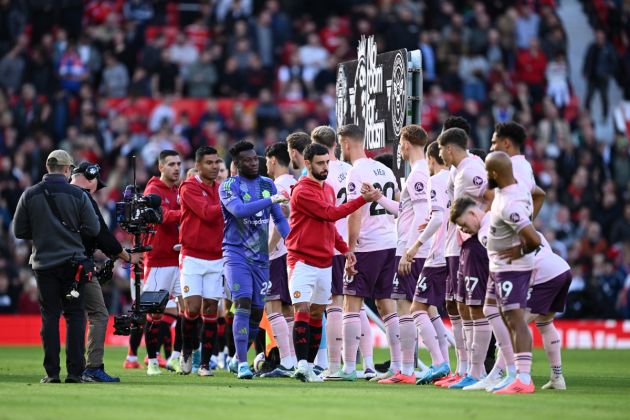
x: 598, y: 384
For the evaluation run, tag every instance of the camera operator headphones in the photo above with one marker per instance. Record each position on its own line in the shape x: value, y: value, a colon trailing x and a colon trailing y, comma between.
x: 89, y: 170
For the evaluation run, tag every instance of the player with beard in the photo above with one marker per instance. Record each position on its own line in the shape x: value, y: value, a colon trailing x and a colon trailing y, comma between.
x: 512, y: 241
x: 337, y: 174
x: 161, y: 267
x: 247, y: 201
x: 311, y: 241
x: 200, y: 259
x: 278, y: 301
x: 546, y: 296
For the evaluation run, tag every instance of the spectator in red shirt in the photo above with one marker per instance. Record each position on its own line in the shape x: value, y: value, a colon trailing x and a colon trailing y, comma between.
x: 530, y: 68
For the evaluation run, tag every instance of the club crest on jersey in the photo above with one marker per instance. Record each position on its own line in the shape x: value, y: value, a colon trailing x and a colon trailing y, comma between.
x: 515, y: 217
x: 266, y: 194
x: 205, y: 194
x: 186, y: 289
x: 351, y: 187
x: 419, y: 187
x: 297, y: 294
x: 166, y: 200
x: 433, y: 194
x: 484, y: 241
x: 477, y: 180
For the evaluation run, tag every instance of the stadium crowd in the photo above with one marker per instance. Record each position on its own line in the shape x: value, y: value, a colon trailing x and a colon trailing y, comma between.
x: 73, y: 75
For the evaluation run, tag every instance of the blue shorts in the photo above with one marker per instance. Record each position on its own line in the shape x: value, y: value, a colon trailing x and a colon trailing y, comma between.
x: 246, y: 280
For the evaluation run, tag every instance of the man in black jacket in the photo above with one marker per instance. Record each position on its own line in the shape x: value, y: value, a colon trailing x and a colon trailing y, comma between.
x: 600, y: 64
x: 86, y: 177
x: 53, y: 214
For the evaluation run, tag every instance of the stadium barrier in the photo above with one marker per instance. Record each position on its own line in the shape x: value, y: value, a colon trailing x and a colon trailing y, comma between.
x: 23, y: 330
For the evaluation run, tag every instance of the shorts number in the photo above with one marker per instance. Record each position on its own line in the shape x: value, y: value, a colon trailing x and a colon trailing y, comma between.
x: 422, y: 284
x: 471, y: 283
x: 342, y: 195
x: 395, y: 282
x: 388, y: 191
x: 529, y: 293
x: 265, y: 288
x: 506, y: 289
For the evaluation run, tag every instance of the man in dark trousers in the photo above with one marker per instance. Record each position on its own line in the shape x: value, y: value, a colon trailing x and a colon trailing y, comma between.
x: 600, y: 64
x: 53, y: 214
x: 86, y: 177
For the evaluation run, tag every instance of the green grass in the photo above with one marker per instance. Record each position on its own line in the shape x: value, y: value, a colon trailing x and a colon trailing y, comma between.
x: 598, y: 382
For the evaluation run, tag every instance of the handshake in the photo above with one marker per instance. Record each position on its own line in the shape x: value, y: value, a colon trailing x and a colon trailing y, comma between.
x: 369, y: 193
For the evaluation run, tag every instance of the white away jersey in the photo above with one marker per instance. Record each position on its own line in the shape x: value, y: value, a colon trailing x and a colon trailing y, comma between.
x: 378, y: 227
x: 337, y: 174
x: 469, y: 179
x: 523, y: 173
x: 283, y: 184
x: 414, y: 209
x: 547, y: 264
x: 438, y: 187
x: 511, y: 211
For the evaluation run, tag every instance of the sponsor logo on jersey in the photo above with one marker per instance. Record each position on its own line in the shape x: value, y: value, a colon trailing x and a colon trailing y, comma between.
x: 266, y: 194
x: 247, y: 197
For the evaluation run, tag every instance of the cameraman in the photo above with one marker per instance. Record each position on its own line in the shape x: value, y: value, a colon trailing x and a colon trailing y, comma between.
x: 54, y: 214
x: 86, y: 177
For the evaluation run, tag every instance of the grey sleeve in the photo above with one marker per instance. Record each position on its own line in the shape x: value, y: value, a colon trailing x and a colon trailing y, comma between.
x: 90, y: 224
x: 21, y: 220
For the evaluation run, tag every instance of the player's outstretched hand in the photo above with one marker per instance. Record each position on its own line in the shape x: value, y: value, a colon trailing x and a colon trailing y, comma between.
x: 511, y: 254
x: 280, y: 198
x: 369, y: 193
x: 351, y: 261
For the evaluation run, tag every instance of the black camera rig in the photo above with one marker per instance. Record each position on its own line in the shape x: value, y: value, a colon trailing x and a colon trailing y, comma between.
x: 138, y: 214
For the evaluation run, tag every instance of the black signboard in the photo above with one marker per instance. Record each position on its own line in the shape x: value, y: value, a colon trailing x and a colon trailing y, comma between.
x: 372, y: 93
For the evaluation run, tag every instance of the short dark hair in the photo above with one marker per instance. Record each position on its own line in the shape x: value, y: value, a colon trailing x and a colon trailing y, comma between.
x: 314, y: 149
x: 479, y: 152
x: 455, y: 136
x: 459, y: 206
x: 455, y: 121
x: 298, y: 141
x: 386, y: 159
x: 324, y: 135
x: 280, y: 151
x: 203, y: 151
x: 239, y: 147
x: 513, y: 131
x: 352, y: 131
x: 414, y: 134
x: 433, y: 149
x: 262, y: 166
x: 166, y: 153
